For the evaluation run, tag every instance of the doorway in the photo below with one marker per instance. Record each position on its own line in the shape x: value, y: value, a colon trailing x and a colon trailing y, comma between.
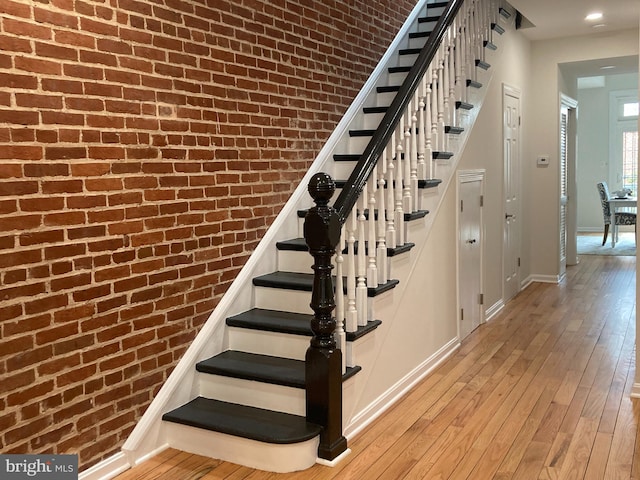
x: 511, y: 158
x: 470, y: 250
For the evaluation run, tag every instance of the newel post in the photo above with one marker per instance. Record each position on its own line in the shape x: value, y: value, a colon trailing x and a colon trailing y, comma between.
x: 323, y: 358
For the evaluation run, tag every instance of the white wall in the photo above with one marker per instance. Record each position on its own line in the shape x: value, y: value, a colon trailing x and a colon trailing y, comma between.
x: 594, y: 148
x: 484, y: 150
x: 542, y: 126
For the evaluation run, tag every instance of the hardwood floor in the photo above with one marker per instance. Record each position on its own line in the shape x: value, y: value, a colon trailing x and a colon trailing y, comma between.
x: 540, y: 392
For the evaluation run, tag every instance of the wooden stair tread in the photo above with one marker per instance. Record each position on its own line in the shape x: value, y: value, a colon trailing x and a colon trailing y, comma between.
x: 288, y: 322
x: 300, y: 244
x: 287, y: 372
x: 304, y: 282
x: 243, y: 421
x: 482, y: 64
x: 256, y: 367
x: 464, y: 105
x: 273, y: 321
x: 473, y: 83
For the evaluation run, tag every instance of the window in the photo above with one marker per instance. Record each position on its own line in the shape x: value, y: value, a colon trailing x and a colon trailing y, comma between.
x: 623, y: 143
x: 630, y: 110
x: 630, y: 160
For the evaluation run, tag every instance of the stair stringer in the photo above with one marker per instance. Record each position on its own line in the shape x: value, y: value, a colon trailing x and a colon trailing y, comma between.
x: 147, y: 438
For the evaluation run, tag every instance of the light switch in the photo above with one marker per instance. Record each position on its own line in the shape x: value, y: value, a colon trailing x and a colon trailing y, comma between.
x: 543, y: 160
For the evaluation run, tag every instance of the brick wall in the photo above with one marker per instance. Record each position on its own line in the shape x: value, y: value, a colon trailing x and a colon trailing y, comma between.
x: 145, y: 147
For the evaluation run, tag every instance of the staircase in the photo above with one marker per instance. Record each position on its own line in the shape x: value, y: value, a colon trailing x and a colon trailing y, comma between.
x: 240, y: 393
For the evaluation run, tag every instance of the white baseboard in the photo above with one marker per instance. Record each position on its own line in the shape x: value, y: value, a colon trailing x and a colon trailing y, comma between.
x: 635, y: 390
x: 107, y: 468
x: 397, y: 391
x: 540, y: 278
x: 493, y: 310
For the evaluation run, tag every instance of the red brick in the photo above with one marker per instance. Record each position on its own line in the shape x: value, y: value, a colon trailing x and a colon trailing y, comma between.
x: 36, y: 238
x: 50, y: 302
x: 37, y: 65
x: 55, y: 51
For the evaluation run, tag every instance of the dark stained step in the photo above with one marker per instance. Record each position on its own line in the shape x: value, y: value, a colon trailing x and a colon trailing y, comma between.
x: 273, y: 321
x: 361, y: 133
x: 403, y: 69
x: 304, y: 282
x: 388, y: 89
x: 288, y: 322
x: 482, y: 64
x: 419, y: 34
x: 490, y: 45
x: 437, y: 4
x: 347, y: 157
x: 242, y: 421
x: 431, y: 183
x: 428, y: 18
x: 300, y: 245
x: 464, y: 106
x: 375, y: 109
x: 497, y: 28
x: 261, y: 368
x: 441, y: 155
x: 473, y: 83
x: 409, y: 51
x: 453, y: 130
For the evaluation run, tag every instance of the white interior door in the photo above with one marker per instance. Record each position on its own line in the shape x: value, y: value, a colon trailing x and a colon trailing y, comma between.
x: 470, y: 241
x: 564, y: 122
x: 568, y: 188
x: 511, y: 153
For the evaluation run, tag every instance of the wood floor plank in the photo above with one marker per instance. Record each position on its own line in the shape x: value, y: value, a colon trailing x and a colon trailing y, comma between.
x: 542, y: 391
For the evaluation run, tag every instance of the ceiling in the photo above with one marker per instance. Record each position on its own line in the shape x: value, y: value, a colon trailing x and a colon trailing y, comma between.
x: 548, y: 19
x: 562, y: 18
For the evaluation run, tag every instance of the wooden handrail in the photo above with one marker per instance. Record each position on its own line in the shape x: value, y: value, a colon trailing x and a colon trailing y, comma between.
x: 369, y: 158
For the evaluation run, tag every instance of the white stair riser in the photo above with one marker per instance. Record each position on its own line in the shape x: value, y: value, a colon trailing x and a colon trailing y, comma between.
x: 417, y: 42
x: 397, y: 78
x: 268, y: 343
x: 263, y: 456
x: 385, y: 99
x: 254, y: 394
x: 372, y: 120
x: 277, y: 299
x: 433, y: 11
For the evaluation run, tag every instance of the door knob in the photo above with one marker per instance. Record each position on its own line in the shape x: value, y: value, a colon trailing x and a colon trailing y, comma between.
x: 508, y: 216
x: 473, y: 240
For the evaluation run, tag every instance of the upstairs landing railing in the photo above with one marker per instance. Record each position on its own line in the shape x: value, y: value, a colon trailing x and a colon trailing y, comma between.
x: 370, y: 210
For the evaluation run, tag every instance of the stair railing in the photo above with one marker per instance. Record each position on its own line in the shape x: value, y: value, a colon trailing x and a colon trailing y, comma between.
x: 368, y: 216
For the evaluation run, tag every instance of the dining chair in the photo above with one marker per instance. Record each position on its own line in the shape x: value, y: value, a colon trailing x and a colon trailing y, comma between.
x: 621, y: 218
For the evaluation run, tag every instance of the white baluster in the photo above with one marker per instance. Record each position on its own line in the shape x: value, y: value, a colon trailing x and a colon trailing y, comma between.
x: 428, y: 153
x: 372, y: 268
x: 442, y: 141
x: 413, y: 165
x: 406, y: 166
x: 361, y: 286
x: 446, y: 114
x: 352, y: 312
x: 399, y: 212
x: 340, y: 335
x: 381, y: 250
x: 422, y: 170
x: 391, y: 202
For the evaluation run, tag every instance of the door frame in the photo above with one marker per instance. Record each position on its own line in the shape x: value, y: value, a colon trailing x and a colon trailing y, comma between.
x: 571, y: 233
x: 466, y: 176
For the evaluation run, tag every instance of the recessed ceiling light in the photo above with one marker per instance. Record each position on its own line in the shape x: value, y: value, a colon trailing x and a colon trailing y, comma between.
x: 599, y: 25
x: 593, y: 16
x: 607, y: 67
